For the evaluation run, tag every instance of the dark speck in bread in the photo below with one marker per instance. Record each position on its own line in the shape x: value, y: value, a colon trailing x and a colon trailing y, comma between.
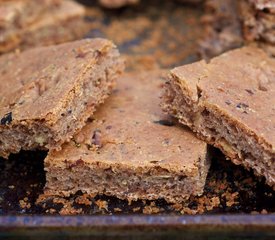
x: 7, y: 119
x: 167, y: 123
x: 249, y: 91
x: 96, y: 139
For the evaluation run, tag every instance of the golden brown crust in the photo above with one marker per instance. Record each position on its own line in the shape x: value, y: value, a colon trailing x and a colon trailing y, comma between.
x: 242, y: 77
x: 222, y: 28
x: 258, y: 20
x: 130, y: 134
x: 65, y: 23
x: 132, y: 117
x: 55, y: 25
x: 20, y: 13
x: 230, y: 104
x: 49, y: 86
x: 27, y: 71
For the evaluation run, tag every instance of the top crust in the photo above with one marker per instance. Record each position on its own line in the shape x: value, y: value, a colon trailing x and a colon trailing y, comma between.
x: 241, y: 84
x: 19, y: 13
x: 131, y: 130
x: 37, y: 83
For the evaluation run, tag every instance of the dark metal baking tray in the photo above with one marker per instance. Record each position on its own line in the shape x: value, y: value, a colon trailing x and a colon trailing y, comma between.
x: 139, y: 227
x: 151, y: 35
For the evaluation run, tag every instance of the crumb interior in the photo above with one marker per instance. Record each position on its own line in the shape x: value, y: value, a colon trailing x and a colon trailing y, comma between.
x: 124, y: 182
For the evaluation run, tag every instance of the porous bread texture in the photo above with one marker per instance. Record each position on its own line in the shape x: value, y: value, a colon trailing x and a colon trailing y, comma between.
x: 130, y: 150
x: 125, y: 182
x: 56, y: 122
x: 189, y: 94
